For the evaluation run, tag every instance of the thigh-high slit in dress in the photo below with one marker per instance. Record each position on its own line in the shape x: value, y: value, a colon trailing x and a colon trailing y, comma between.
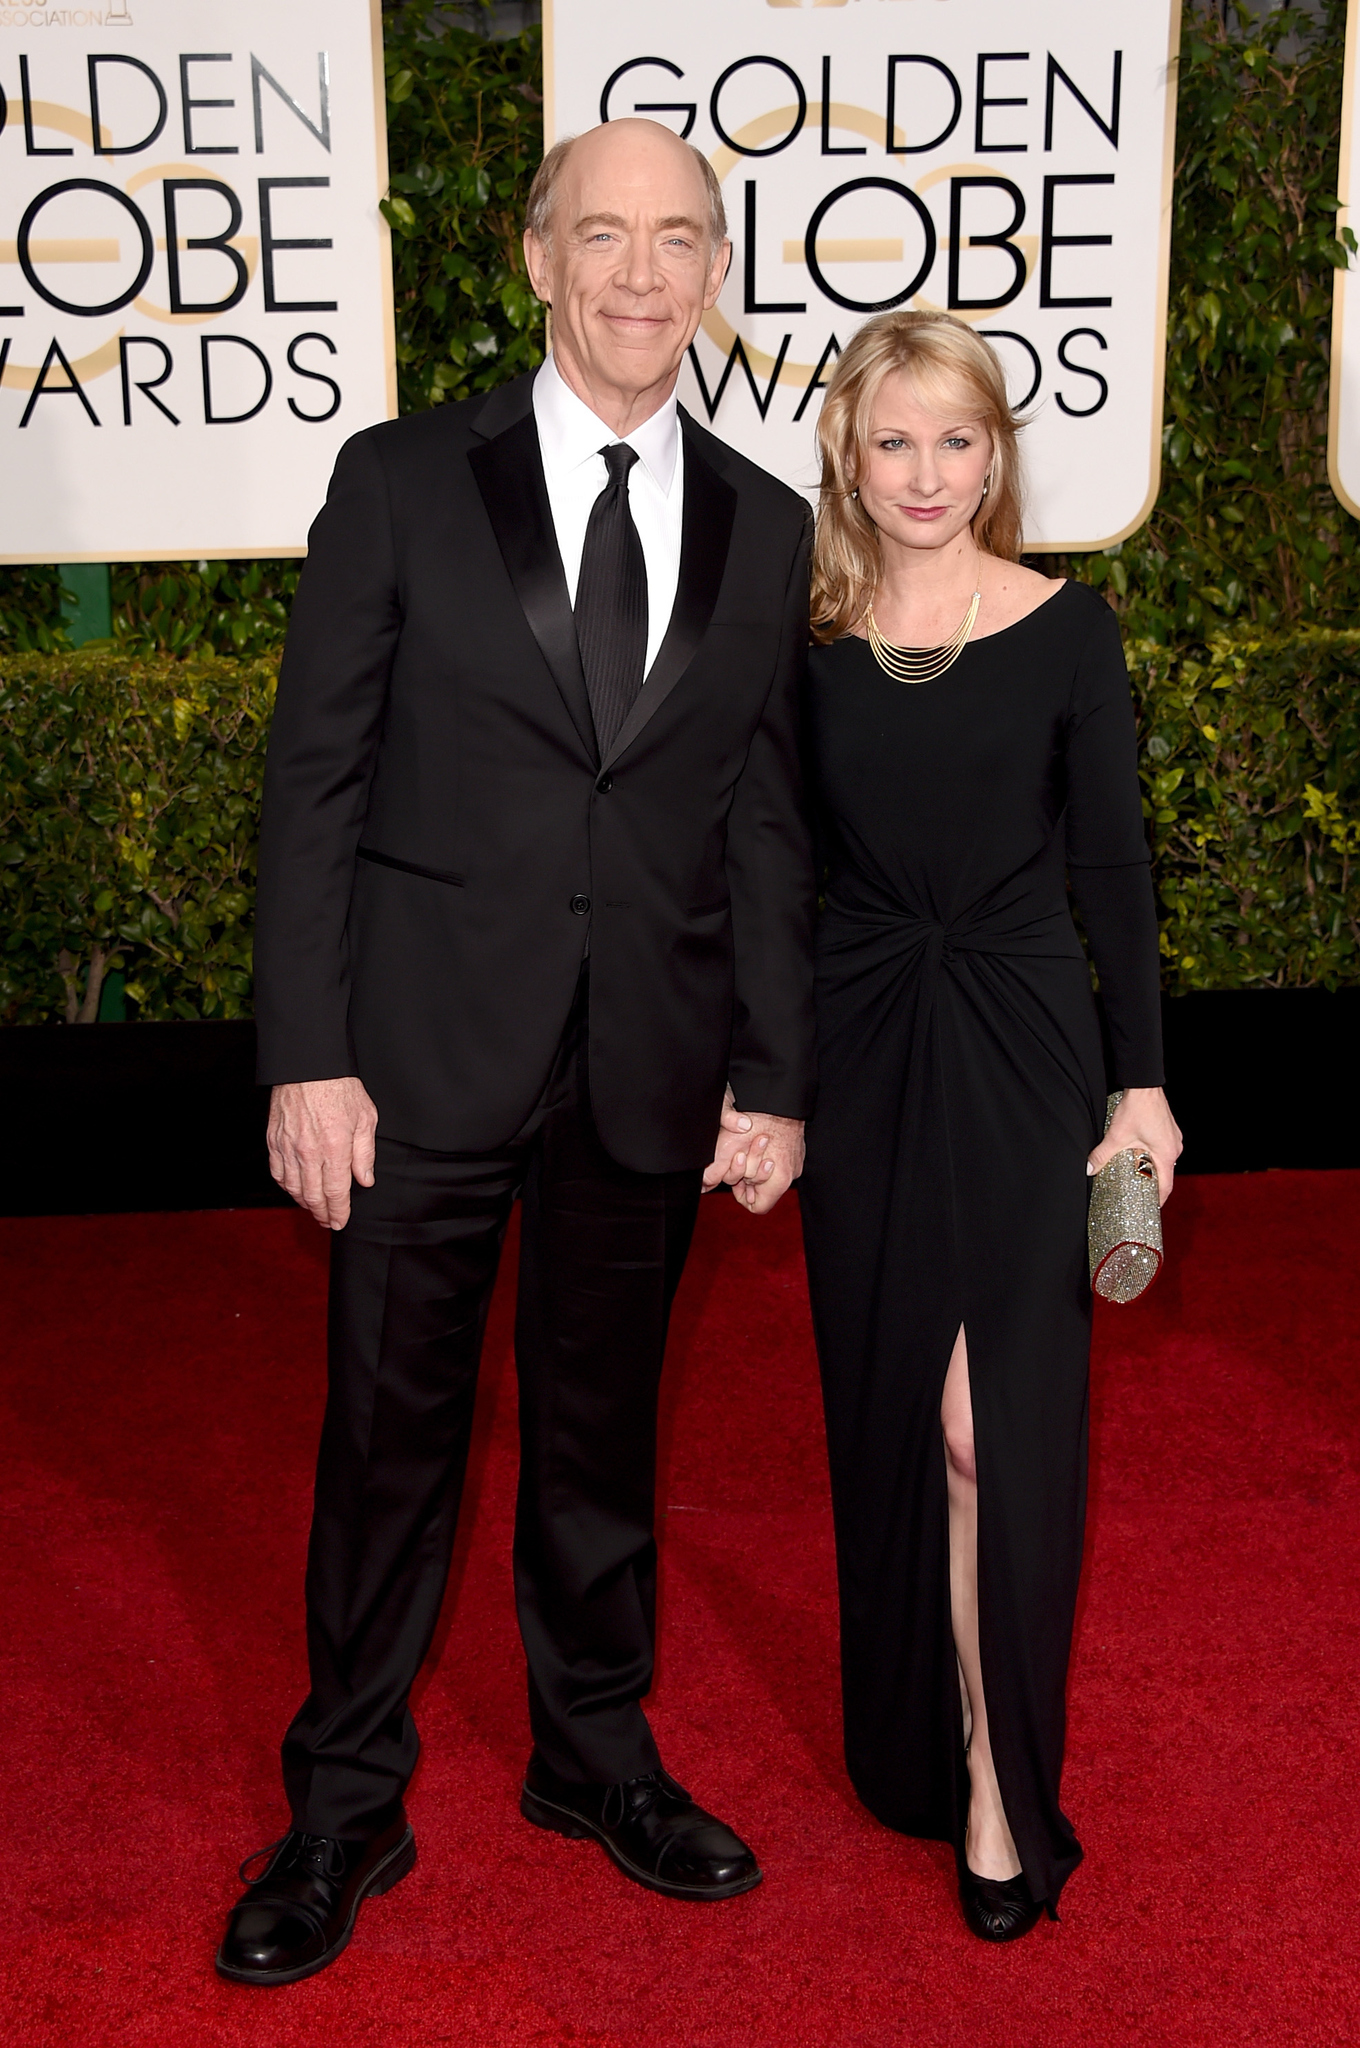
x: 962, y: 1086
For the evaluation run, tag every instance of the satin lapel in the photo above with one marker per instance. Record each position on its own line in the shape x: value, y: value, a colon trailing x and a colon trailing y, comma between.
x: 509, y: 474
x: 705, y: 531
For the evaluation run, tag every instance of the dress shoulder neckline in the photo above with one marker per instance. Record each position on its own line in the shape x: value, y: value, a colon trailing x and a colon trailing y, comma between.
x: 1053, y: 597
x: 1069, y: 583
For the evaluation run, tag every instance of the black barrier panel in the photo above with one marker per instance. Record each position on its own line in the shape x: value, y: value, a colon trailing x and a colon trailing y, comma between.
x: 108, y: 1117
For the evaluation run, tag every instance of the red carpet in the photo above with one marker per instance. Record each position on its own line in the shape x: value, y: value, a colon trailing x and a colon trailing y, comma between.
x: 163, y: 1380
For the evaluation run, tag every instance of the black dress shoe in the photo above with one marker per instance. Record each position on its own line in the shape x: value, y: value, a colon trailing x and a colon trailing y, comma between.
x: 650, y: 1827
x: 300, y: 1912
x: 997, y: 1909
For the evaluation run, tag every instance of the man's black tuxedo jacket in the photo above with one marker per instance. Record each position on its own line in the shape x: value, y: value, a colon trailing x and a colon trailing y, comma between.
x: 440, y: 837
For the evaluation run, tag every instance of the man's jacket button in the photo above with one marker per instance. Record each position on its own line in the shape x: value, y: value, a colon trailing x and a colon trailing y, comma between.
x: 581, y: 905
x: 605, y: 784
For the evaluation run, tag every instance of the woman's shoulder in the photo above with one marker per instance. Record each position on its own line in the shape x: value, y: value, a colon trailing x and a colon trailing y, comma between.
x: 1070, y: 610
x: 1087, y: 603
x: 1084, y: 608
x: 1017, y: 583
x: 1011, y: 592
x: 1094, y: 634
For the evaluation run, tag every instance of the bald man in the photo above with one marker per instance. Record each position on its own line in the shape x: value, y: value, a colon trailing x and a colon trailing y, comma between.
x: 535, y: 918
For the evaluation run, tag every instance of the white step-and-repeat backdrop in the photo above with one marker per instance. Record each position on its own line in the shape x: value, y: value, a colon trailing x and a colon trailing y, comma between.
x: 1010, y: 164
x: 195, y: 281
x: 1343, y: 444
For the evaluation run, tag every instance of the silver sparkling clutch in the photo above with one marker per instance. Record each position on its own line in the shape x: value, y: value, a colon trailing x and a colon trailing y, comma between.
x: 1124, y: 1224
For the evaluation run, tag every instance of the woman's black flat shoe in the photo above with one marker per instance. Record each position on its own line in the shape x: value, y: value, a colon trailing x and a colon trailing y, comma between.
x: 997, y: 1909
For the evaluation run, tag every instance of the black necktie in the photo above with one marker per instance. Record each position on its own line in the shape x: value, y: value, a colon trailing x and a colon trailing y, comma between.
x: 611, y: 602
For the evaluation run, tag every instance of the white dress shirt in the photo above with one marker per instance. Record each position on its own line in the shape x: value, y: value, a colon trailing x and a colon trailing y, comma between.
x: 570, y: 437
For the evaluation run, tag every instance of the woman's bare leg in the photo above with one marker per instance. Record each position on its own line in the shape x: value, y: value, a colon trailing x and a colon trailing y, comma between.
x: 989, y: 1847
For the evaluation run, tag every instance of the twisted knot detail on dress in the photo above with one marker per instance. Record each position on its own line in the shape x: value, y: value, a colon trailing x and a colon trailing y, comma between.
x: 611, y: 602
x: 1018, y: 921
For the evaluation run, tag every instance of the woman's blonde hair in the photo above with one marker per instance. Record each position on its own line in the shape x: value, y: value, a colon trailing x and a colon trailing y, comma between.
x: 955, y: 372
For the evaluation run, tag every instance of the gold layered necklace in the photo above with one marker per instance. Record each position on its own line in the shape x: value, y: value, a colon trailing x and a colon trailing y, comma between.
x: 921, y: 664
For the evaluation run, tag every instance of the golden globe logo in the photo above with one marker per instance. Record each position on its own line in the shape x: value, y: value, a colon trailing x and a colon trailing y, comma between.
x: 195, y: 285
x: 1009, y: 165
x: 990, y: 259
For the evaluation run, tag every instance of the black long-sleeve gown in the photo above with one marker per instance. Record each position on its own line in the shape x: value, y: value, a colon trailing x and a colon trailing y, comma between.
x: 962, y: 1086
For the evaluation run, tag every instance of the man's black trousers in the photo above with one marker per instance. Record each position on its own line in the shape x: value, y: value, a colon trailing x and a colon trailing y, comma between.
x: 602, y: 1250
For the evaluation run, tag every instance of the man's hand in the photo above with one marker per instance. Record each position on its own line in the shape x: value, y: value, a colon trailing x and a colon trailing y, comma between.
x: 757, y: 1156
x: 320, y: 1136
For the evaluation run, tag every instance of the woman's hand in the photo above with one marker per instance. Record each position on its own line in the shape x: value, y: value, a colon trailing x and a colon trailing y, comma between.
x: 758, y: 1156
x: 1143, y: 1123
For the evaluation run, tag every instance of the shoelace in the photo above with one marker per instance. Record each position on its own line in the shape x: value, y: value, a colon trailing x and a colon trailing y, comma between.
x: 317, y: 1848
x: 617, y: 1801
x: 652, y: 1786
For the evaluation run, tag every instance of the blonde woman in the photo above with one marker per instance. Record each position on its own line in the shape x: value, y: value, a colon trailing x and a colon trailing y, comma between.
x: 973, y: 742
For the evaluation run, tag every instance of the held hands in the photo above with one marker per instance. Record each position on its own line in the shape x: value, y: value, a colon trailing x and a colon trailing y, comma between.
x: 320, y: 1137
x: 1143, y: 1122
x: 757, y: 1156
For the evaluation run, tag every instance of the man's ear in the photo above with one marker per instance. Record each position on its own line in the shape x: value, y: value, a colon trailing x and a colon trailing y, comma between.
x: 717, y: 275
x: 536, y: 263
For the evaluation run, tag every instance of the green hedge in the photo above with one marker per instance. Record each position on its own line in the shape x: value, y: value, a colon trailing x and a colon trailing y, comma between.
x: 465, y: 133
x: 30, y: 610
x: 1250, y: 756
x: 129, y: 806
x: 131, y: 791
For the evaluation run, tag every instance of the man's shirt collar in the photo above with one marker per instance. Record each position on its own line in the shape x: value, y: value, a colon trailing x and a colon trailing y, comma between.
x: 570, y: 433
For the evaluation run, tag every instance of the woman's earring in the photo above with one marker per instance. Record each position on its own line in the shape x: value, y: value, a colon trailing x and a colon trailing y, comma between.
x: 986, y: 484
